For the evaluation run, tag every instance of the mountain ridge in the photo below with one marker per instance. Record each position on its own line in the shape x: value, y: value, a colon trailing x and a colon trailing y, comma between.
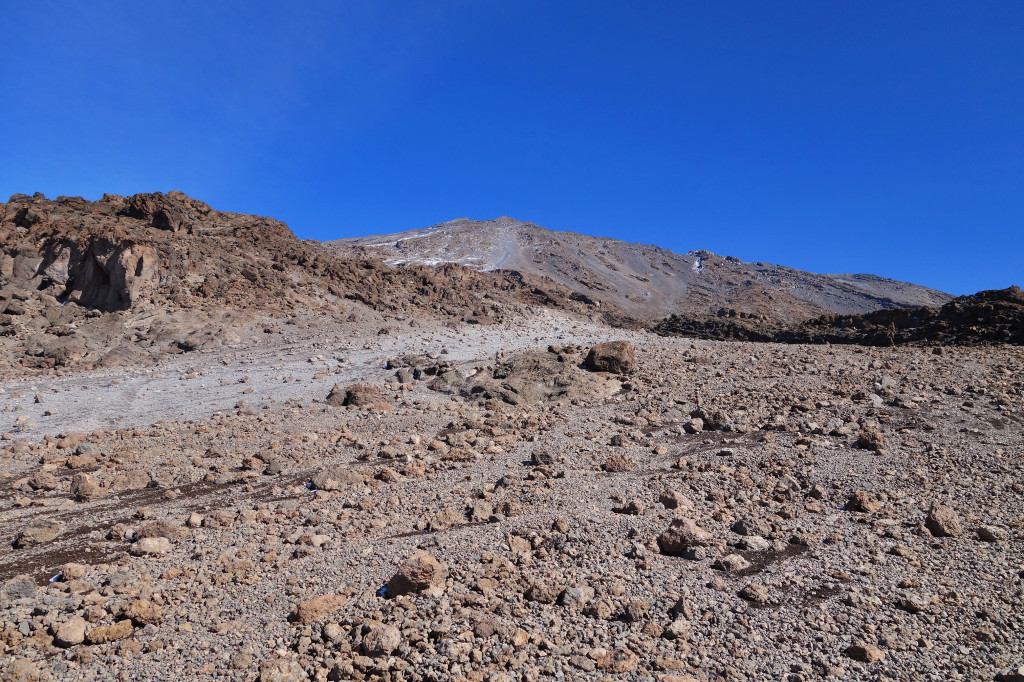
x: 645, y: 280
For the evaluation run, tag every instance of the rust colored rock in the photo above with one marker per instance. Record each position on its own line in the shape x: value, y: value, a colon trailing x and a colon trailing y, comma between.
x: 317, y: 608
x: 617, y: 661
x: 681, y: 535
x: 38, y: 533
x: 616, y: 357
x: 861, y: 501
x: 869, y: 439
x: 85, y: 488
x: 619, y: 464
x: 865, y: 653
x: 943, y: 522
x: 70, y: 633
x: 144, y: 612
x: 357, y: 395
x: 420, y: 573
x: 109, y: 633
x: 673, y: 499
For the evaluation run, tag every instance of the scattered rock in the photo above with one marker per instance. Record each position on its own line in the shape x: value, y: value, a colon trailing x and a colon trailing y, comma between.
x: 70, y: 633
x: 673, y: 499
x: 943, y: 522
x: 144, y: 612
x: 38, y: 532
x: 103, y: 634
x: 619, y: 464
x: 731, y: 562
x: 682, y: 534
x: 151, y: 546
x: 617, y: 661
x: 755, y: 593
x: 992, y: 534
x: 863, y: 502
x: 381, y: 640
x: 420, y: 573
x: 865, y: 653
x: 616, y: 357
x: 85, y: 488
x: 358, y: 395
x: 312, y: 610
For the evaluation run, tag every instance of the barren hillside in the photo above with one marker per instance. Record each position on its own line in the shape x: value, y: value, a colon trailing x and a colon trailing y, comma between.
x: 126, y: 280
x: 645, y: 281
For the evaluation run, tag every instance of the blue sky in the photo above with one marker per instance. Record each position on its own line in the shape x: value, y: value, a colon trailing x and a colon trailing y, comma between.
x: 835, y: 137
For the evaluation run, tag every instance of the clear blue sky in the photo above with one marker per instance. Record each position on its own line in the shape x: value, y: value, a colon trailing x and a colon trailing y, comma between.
x: 858, y: 136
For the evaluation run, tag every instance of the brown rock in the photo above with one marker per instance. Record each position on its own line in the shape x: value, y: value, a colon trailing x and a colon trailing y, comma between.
x: 38, y: 532
x: 869, y: 439
x: 144, y: 612
x: 21, y: 670
x: 72, y: 571
x: 732, y: 562
x: 543, y: 593
x: 314, y: 609
x: 865, y: 653
x: 673, y: 499
x: 992, y: 534
x: 681, y: 535
x: 85, y: 488
x: 109, y: 633
x: 617, y: 357
x: 70, y: 633
x: 282, y: 670
x: 619, y: 464
x: 487, y: 627
x: 943, y: 522
x: 151, y: 546
x: 421, y: 573
x: 755, y: 593
x: 157, y: 529
x: 617, y: 661
x: 381, y: 640
x: 357, y: 395
x: 861, y: 501
x: 632, y: 508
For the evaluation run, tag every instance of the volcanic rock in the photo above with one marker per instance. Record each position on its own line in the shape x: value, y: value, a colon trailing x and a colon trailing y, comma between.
x: 616, y: 357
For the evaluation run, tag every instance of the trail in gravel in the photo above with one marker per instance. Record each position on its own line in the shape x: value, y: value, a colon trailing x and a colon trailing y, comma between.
x: 198, y: 385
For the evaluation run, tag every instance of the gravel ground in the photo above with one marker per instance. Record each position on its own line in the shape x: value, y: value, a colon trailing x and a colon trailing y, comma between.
x: 723, y: 511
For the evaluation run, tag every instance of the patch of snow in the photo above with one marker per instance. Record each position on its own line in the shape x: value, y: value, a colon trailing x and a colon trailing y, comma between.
x: 390, y: 242
x: 698, y: 265
x: 467, y: 261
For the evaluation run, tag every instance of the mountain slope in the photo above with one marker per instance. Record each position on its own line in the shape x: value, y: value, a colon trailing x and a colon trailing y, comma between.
x: 643, y: 280
x: 125, y: 280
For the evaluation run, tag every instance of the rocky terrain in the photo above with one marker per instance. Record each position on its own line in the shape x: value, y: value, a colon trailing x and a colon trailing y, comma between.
x: 988, y: 317
x: 128, y: 280
x: 423, y: 474
x: 645, y: 281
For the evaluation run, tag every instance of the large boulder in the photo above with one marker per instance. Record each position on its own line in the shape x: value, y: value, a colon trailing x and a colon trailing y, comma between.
x: 37, y: 533
x: 318, y: 608
x: 681, y: 535
x: 614, y: 356
x: 421, y: 573
x: 943, y: 522
x: 357, y: 395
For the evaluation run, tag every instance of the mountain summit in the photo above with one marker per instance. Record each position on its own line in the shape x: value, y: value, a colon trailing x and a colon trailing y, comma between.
x: 647, y: 281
